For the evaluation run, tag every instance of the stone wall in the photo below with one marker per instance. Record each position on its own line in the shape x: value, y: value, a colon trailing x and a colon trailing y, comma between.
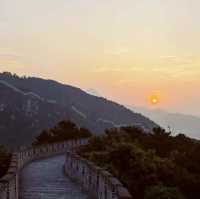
x: 9, y: 183
x: 96, y: 181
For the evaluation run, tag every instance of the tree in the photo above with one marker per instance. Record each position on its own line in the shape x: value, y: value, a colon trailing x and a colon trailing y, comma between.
x: 5, y: 157
x: 63, y: 131
x: 158, y: 131
x: 162, y: 192
x: 43, y: 138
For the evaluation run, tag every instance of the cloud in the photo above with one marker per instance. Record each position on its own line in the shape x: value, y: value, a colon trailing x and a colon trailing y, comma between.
x: 118, y: 51
x: 184, y: 73
x: 9, y: 56
x: 176, y: 60
x: 177, y: 66
x: 10, y: 60
x: 126, y: 82
x: 107, y: 69
x: 118, y: 69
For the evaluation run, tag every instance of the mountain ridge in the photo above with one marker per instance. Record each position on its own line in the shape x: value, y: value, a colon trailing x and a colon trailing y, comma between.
x: 58, y: 101
x: 178, y: 122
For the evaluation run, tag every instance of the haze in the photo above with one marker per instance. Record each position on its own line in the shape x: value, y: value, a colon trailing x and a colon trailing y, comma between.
x: 126, y: 50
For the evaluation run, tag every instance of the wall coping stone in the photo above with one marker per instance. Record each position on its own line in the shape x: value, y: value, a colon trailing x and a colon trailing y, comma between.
x: 121, y: 191
x: 27, y: 154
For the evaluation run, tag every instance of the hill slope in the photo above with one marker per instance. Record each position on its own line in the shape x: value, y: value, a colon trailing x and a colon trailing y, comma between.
x: 30, y: 104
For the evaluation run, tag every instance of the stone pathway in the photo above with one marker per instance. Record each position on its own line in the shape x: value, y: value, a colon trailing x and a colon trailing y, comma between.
x: 45, y: 179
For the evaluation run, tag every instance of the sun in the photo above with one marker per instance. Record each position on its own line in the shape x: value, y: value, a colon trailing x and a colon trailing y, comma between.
x: 154, y: 100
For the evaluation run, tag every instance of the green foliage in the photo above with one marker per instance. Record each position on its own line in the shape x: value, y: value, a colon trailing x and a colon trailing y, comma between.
x: 161, y: 192
x: 5, y: 157
x: 142, y: 161
x: 64, y: 130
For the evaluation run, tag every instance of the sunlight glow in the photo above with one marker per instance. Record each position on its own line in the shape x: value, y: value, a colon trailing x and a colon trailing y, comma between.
x: 154, y: 100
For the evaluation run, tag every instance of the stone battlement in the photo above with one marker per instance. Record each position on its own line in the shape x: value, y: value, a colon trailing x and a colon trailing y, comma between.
x: 98, y: 182
x: 9, y: 183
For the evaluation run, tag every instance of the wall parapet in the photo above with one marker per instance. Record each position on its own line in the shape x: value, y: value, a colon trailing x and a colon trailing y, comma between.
x: 98, y: 182
x: 9, y: 184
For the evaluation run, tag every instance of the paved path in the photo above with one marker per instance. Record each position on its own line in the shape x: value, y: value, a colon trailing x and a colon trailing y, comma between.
x: 45, y: 179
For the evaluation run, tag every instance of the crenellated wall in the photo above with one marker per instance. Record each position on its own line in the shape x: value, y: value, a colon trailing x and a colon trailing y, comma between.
x: 98, y: 182
x: 9, y: 183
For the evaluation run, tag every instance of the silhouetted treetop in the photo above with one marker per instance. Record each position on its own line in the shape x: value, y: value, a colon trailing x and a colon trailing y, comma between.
x: 63, y: 131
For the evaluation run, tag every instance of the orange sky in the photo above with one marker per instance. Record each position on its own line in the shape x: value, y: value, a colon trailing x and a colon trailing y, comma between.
x: 126, y: 50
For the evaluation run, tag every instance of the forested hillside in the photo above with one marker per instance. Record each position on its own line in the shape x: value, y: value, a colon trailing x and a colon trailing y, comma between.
x: 151, y: 166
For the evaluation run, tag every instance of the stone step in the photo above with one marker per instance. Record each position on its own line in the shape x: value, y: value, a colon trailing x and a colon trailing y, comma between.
x: 44, y: 179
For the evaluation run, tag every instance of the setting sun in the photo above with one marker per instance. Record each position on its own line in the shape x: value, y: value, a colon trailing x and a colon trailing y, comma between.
x: 154, y: 100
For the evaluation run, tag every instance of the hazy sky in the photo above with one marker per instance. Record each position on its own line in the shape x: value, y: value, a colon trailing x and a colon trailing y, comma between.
x: 125, y: 49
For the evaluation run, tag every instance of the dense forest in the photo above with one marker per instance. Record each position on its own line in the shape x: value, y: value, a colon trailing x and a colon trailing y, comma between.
x: 151, y: 166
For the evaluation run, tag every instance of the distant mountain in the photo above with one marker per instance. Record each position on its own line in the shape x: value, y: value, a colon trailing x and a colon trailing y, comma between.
x: 179, y: 123
x: 28, y: 105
